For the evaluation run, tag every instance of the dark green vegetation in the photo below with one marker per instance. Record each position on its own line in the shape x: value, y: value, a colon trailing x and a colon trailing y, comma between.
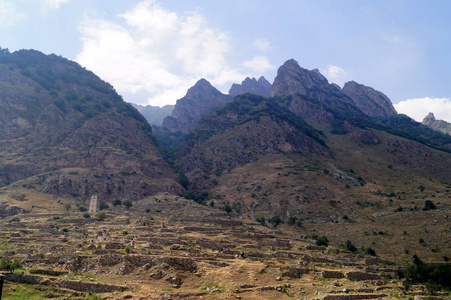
x: 436, y: 276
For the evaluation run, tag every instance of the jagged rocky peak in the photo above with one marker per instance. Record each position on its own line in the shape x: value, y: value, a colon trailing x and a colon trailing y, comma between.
x: 200, y: 99
x: 439, y: 125
x: 292, y: 79
x: 373, y: 103
x: 259, y: 87
x: 430, y: 118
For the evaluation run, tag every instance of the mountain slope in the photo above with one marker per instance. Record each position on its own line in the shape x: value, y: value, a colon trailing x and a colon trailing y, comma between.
x: 240, y: 133
x: 310, y: 154
x: 373, y: 103
x: 65, y: 132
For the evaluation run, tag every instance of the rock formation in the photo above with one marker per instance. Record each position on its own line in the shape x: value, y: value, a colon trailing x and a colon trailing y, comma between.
x: 261, y: 87
x: 200, y: 100
x: 371, y: 102
x: 439, y: 125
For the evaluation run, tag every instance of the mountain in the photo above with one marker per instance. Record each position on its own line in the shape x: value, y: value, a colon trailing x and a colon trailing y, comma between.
x: 154, y: 114
x: 239, y: 133
x: 309, y: 153
x: 200, y: 100
x: 65, y: 132
x: 310, y: 95
x: 373, y: 103
x: 259, y: 87
x: 435, y: 124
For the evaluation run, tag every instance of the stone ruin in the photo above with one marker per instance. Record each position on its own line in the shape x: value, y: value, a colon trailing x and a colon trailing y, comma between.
x: 94, y: 205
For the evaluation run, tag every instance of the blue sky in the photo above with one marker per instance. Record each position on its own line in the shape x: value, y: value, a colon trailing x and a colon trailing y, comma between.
x: 153, y: 51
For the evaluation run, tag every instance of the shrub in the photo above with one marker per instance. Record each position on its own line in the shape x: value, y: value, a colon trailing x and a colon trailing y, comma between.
x: 370, y: 251
x: 227, y: 208
x: 428, y: 204
x: 322, y: 241
x: 14, y: 219
x: 292, y: 220
x: 117, y: 202
x: 9, y: 265
x: 276, y: 220
x: 350, y: 246
x: 127, y: 203
x: 127, y: 249
x: 260, y: 220
x: 435, y: 276
x: 86, y: 215
x: 103, y: 206
x: 101, y: 216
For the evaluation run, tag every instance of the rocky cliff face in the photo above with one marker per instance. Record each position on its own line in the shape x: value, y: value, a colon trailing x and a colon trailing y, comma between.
x: 154, y: 114
x: 200, y: 100
x: 292, y: 79
x: 259, y: 87
x: 64, y: 131
x: 371, y: 102
x: 439, y: 125
x: 312, y: 96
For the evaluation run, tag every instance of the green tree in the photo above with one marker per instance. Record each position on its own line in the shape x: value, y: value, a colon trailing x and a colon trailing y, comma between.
x: 276, y: 220
x: 103, y: 206
x: 9, y: 265
x: 227, y: 208
x: 127, y: 204
x: 101, y: 216
x: 292, y: 220
x: 322, y: 241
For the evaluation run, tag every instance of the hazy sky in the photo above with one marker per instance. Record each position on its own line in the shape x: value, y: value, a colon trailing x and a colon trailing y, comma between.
x: 153, y: 51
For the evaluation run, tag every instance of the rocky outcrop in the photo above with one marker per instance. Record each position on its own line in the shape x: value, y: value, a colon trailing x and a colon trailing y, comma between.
x: 311, y: 94
x: 259, y: 87
x: 200, y: 100
x: 439, y: 125
x: 373, y: 103
x: 292, y: 79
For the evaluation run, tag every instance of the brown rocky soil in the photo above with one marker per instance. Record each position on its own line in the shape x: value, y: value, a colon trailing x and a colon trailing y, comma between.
x: 167, y: 247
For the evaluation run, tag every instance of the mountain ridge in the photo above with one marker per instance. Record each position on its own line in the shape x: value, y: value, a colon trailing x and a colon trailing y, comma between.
x: 66, y: 132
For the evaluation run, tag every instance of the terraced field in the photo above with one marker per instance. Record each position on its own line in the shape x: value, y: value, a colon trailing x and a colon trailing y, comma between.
x: 167, y: 247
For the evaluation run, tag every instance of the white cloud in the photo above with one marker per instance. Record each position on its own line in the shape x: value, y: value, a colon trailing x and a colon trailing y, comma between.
x: 157, y: 52
x: 418, y: 108
x: 262, y: 44
x: 54, y: 3
x: 335, y: 74
x: 259, y: 64
x: 9, y: 15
